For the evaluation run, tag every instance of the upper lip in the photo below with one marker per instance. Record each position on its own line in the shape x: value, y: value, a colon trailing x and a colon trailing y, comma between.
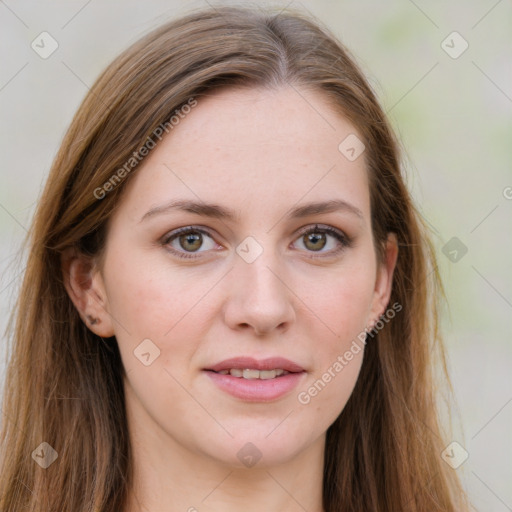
x: 270, y: 363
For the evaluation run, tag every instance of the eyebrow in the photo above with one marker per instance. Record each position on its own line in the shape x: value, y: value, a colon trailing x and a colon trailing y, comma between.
x: 220, y: 212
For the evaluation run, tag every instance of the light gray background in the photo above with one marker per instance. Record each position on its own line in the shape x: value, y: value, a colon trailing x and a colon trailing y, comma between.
x: 452, y: 115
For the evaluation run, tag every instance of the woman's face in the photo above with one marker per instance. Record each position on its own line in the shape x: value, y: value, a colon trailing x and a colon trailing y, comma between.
x: 245, y: 234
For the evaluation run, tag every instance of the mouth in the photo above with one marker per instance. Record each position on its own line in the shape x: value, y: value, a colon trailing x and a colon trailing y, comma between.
x: 252, y: 373
x: 250, y: 368
x: 256, y: 380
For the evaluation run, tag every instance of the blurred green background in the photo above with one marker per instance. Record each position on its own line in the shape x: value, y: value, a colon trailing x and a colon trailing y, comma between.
x: 450, y: 105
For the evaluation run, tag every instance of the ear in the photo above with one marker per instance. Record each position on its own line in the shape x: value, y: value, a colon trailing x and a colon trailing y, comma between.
x: 85, y: 287
x: 384, y: 280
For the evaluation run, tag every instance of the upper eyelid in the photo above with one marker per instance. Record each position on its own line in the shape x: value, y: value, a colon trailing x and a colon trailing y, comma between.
x: 185, y: 229
x: 300, y: 232
x: 320, y: 227
x: 208, y: 231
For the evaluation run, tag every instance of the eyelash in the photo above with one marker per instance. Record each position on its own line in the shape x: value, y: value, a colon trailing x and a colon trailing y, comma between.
x: 344, y: 240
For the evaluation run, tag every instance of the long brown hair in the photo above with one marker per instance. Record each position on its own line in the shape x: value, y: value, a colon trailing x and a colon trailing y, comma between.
x: 65, y: 384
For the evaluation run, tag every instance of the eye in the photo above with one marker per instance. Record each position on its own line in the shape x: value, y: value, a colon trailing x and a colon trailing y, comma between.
x: 189, y: 240
x: 323, y: 239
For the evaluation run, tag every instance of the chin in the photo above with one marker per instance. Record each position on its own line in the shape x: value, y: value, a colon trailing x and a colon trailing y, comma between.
x: 259, y: 451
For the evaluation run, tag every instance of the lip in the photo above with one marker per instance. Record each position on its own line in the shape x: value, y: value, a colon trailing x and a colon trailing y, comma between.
x: 257, y: 390
x: 269, y: 363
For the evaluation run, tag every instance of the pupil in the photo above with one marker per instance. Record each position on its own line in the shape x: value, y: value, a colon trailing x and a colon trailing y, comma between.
x: 191, y: 242
x: 314, y: 238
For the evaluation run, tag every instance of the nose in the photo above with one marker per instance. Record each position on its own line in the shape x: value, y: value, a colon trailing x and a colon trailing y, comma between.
x: 259, y: 299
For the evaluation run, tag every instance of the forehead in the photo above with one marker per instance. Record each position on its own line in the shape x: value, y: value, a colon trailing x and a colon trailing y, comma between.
x: 254, y: 148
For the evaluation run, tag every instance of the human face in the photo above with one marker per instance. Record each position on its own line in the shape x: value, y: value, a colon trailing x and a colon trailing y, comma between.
x: 267, y: 281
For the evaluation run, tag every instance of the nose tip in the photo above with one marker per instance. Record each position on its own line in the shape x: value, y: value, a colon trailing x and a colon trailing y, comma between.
x: 258, y: 300
x: 261, y: 329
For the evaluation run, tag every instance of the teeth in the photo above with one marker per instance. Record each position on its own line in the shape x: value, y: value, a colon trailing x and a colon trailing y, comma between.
x: 249, y: 373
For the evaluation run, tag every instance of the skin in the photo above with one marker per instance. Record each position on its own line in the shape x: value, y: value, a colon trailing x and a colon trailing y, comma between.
x: 260, y: 153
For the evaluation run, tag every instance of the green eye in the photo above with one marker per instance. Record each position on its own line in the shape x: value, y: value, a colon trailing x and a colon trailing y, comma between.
x: 315, y: 241
x: 318, y: 238
x: 189, y: 240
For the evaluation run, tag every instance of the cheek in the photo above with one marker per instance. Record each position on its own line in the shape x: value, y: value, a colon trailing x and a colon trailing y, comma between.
x: 341, y: 301
x: 149, y: 297
x: 151, y: 301
x: 159, y: 313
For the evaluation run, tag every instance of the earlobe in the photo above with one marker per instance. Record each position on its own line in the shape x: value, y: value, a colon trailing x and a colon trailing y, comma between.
x: 384, y: 281
x: 84, y: 285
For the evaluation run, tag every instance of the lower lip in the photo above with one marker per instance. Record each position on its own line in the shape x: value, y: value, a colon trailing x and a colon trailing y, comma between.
x: 256, y: 390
